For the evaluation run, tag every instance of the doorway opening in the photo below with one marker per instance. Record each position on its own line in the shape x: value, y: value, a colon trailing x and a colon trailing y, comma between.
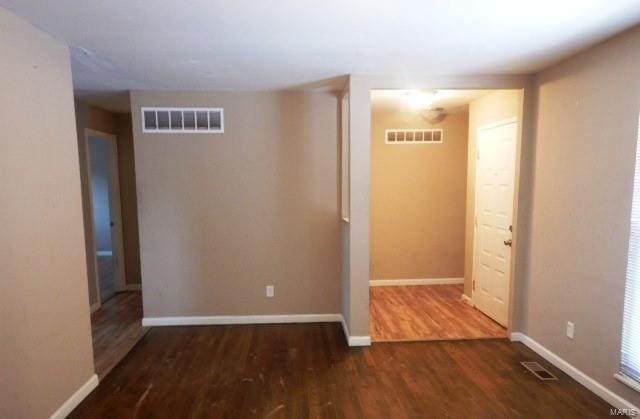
x: 104, y: 183
x: 444, y: 167
x: 116, y: 304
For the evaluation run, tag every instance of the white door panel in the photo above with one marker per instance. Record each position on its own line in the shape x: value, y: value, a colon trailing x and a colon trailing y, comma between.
x: 495, y: 175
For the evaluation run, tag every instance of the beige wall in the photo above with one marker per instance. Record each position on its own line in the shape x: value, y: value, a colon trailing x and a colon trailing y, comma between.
x: 586, y: 137
x: 493, y: 107
x: 128, y: 197
x: 224, y: 215
x: 417, y: 198
x: 355, y: 241
x: 98, y: 119
x: 45, y: 336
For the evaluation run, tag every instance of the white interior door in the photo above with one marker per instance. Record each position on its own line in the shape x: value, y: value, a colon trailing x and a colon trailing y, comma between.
x: 111, y: 209
x: 115, y: 209
x: 495, y: 176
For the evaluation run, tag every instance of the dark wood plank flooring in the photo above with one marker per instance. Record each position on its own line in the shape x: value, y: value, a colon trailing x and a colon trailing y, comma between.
x: 307, y: 371
x: 115, y: 328
x: 426, y: 312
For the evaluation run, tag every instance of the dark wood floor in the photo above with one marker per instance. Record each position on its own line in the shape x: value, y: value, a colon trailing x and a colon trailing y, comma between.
x: 426, y: 312
x: 115, y: 328
x: 306, y: 370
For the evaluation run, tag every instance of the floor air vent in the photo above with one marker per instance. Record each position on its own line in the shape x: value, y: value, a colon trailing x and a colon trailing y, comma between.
x: 539, y: 371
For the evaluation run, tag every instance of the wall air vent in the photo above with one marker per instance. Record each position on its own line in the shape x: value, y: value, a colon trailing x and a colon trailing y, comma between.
x: 413, y: 136
x: 183, y: 120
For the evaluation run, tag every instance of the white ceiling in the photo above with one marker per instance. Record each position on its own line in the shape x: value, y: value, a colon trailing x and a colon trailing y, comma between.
x: 255, y: 45
x: 451, y: 100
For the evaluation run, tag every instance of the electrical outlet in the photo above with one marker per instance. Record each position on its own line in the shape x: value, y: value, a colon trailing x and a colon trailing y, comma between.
x: 270, y: 291
x: 570, y: 329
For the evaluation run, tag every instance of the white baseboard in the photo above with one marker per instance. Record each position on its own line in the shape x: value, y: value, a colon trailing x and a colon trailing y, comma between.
x: 467, y: 300
x: 354, y: 340
x: 594, y: 386
x: 259, y: 319
x: 104, y: 253
x: 133, y: 287
x: 77, y: 397
x: 418, y: 281
x: 94, y: 306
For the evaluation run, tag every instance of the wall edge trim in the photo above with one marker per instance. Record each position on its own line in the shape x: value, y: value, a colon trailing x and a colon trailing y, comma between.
x: 354, y: 340
x: 76, y: 398
x: 416, y: 281
x: 245, y: 319
x: 258, y: 319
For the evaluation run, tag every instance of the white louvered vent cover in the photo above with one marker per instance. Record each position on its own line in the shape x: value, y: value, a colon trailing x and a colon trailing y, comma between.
x: 413, y: 136
x: 183, y: 120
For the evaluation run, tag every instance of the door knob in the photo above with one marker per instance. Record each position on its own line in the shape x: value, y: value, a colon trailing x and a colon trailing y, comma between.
x: 507, y: 242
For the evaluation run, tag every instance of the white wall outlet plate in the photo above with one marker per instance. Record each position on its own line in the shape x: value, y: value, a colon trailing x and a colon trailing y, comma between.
x: 570, y: 329
x: 270, y: 291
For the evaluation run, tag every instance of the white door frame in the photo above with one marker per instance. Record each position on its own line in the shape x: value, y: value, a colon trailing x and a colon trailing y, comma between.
x: 514, y: 208
x: 115, y: 208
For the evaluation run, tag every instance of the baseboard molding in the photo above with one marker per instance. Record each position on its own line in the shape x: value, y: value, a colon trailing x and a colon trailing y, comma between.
x: 260, y: 319
x: 221, y: 320
x: 594, y: 386
x: 77, y: 397
x: 354, y: 340
x: 104, y: 253
x: 418, y: 281
x: 133, y: 287
x: 94, y: 306
x: 465, y: 298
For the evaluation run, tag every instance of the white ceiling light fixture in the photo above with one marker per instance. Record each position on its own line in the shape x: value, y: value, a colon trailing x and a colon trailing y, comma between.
x: 434, y: 115
x: 418, y: 99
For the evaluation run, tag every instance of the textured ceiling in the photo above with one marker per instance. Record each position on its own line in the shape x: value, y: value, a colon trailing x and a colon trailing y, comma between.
x: 253, y: 45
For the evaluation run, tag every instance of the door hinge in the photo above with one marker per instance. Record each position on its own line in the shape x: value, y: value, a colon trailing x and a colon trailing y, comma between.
x: 477, y: 154
x: 473, y: 285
